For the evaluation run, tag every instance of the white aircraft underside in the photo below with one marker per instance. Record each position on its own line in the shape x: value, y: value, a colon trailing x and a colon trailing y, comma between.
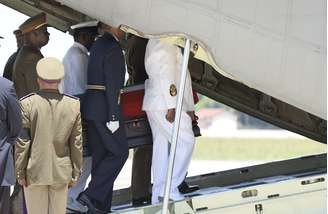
x: 275, y: 46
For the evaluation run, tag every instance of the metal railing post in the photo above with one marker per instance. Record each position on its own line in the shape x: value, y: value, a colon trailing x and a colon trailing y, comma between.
x: 176, y: 126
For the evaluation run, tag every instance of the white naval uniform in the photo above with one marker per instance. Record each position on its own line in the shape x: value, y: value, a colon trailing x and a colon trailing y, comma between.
x: 163, y: 65
x: 75, y: 82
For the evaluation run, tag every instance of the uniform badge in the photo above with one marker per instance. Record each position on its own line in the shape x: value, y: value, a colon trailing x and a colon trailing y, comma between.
x: 173, y: 90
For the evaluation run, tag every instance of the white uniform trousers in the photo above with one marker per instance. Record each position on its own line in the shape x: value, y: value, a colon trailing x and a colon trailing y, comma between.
x: 162, y: 131
x: 74, y: 192
x: 46, y: 199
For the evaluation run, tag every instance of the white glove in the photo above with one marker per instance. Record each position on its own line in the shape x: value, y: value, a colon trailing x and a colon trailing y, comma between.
x: 113, y: 126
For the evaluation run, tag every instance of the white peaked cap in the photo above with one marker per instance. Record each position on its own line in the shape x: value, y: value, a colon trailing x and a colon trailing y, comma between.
x: 50, y: 68
x: 85, y: 25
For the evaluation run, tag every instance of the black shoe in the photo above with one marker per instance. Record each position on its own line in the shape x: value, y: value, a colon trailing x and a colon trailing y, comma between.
x: 86, y: 201
x: 184, y: 188
x: 139, y: 202
x: 161, y: 199
x: 71, y: 211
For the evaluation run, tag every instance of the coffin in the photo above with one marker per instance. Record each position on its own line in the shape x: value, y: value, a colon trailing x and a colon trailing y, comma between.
x: 137, y: 128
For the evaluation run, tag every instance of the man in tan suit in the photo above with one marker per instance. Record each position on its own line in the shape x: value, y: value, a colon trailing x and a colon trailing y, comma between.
x: 35, y: 35
x: 49, y: 150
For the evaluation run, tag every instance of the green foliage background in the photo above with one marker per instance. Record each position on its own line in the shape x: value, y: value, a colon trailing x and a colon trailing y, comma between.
x: 255, y: 149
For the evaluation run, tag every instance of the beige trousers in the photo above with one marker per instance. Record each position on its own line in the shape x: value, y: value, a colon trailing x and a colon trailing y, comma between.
x: 48, y: 199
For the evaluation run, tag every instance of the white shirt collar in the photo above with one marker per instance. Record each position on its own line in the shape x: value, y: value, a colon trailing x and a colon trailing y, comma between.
x: 79, y: 45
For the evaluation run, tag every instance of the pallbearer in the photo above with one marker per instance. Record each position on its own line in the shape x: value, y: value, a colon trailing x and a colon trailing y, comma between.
x: 102, y: 110
x: 163, y: 64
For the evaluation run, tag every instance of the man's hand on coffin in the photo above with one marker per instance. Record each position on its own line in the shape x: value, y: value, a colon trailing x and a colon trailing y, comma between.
x: 113, y: 126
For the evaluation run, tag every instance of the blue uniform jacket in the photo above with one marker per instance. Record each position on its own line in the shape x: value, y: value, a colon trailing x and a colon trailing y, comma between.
x: 10, y: 127
x: 106, y: 67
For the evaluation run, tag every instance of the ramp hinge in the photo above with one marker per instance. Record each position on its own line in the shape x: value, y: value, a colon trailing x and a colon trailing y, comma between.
x: 259, y: 208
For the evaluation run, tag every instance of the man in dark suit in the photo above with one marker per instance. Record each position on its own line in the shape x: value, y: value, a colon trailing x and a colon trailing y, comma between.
x: 102, y: 110
x: 10, y: 126
x: 141, y: 165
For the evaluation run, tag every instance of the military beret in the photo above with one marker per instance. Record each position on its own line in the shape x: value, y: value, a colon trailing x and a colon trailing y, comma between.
x: 50, y: 69
x: 33, y: 23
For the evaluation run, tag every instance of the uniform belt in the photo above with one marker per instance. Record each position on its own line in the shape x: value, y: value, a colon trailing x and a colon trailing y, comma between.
x: 96, y: 87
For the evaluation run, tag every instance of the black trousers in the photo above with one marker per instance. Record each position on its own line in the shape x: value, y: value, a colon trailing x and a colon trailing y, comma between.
x: 141, y: 172
x: 109, y: 153
x: 4, y: 199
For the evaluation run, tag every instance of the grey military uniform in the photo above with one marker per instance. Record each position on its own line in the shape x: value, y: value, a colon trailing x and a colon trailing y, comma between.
x: 10, y: 126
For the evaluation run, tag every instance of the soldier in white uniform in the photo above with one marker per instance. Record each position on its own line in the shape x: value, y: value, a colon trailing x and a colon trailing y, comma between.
x: 77, y: 56
x: 163, y: 63
x: 75, y: 83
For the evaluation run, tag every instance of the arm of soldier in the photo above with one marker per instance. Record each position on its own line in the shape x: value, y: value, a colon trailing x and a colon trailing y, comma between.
x: 23, y: 144
x: 30, y: 75
x: 75, y: 143
x: 114, y: 68
x: 75, y: 65
x: 129, y: 54
x: 169, y: 90
x: 14, y: 116
x: 80, y: 63
x: 168, y: 84
x: 19, y: 82
x: 189, y: 98
x: 8, y: 70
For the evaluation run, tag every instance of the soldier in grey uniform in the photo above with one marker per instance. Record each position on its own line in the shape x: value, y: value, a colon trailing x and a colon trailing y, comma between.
x: 10, y: 126
x: 48, y: 153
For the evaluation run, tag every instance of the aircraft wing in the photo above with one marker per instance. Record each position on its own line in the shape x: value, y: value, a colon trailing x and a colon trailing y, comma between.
x: 275, y: 46
x: 265, y: 58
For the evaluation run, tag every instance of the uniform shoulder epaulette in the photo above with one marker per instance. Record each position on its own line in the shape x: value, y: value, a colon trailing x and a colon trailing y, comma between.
x: 71, y: 96
x: 26, y: 96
